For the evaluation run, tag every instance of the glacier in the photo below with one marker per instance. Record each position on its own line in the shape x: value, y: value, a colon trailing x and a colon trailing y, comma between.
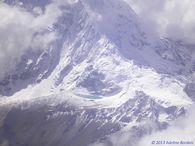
x: 102, y: 75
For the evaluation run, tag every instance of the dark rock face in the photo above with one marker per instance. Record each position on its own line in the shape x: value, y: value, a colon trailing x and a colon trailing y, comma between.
x: 190, y: 90
x: 26, y: 74
x: 31, y: 127
x: 38, y: 123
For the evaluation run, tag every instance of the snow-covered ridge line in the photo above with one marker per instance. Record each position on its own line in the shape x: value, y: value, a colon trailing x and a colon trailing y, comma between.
x: 100, y: 57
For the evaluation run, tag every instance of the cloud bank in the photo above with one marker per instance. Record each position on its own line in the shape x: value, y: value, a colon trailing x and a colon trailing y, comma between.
x: 168, y: 18
x: 182, y: 130
x: 21, y: 30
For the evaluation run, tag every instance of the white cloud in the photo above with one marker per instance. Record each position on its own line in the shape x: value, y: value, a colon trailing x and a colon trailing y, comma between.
x: 168, y: 18
x: 182, y: 130
x: 21, y: 30
x: 15, y: 35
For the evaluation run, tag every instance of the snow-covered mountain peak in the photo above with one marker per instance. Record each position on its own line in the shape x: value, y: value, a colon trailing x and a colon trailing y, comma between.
x: 101, y: 50
x: 101, y: 75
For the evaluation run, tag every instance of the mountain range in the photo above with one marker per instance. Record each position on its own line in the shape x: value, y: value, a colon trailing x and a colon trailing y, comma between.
x: 102, y: 75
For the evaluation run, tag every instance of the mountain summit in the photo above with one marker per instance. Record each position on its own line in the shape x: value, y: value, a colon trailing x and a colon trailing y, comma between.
x: 101, y: 74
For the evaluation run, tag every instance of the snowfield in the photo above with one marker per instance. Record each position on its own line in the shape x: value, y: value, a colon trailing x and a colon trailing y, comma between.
x: 103, y: 75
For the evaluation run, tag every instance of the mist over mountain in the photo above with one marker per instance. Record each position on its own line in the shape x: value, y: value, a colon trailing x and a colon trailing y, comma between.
x: 85, y: 72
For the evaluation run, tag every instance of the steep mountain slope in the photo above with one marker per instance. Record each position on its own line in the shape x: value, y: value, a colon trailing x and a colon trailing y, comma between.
x: 100, y: 37
x: 101, y: 74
